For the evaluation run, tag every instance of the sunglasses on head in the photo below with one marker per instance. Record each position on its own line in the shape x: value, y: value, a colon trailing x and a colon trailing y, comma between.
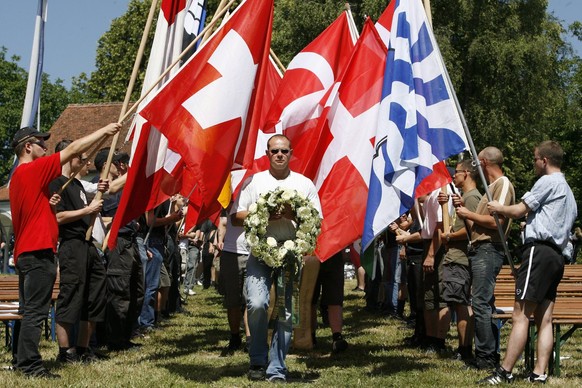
x: 275, y: 151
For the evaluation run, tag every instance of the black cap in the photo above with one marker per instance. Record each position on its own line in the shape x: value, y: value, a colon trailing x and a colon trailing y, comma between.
x: 24, y: 134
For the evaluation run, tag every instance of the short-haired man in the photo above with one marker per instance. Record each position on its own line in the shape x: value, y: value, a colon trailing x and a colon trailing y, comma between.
x: 456, y: 276
x: 551, y: 211
x: 265, y: 363
x: 82, y: 272
x: 486, y: 257
x: 36, y: 232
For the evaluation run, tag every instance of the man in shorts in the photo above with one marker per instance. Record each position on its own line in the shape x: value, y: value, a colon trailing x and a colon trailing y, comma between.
x: 456, y: 274
x: 551, y: 211
x: 82, y: 296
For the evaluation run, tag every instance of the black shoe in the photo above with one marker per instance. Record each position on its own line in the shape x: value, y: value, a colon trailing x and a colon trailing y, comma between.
x: 43, y: 374
x: 536, y: 379
x: 68, y: 357
x: 339, y: 344
x: 234, y: 344
x: 499, y: 376
x: 358, y: 289
x: 257, y: 373
x: 480, y: 364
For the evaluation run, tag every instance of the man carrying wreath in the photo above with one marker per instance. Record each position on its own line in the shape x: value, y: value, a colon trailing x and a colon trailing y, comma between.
x: 282, y: 227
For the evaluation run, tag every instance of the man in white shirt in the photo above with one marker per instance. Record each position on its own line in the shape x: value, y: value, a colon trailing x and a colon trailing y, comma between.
x: 265, y: 363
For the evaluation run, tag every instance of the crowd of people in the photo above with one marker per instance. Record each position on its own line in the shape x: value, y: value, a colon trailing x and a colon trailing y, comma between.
x: 443, y: 257
x: 453, y: 244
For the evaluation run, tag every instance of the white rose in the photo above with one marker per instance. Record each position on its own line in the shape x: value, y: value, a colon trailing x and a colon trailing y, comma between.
x: 253, y: 208
x: 289, y: 244
x: 255, y: 220
x: 261, y: 201
x: 252, y: 240
x: 288, y: 195
x: 271, y: 242
x: 303, y: 212
x: 302, y: 246
x: 282, y: 253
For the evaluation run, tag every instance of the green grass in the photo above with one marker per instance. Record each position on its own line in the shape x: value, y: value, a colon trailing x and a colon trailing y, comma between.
x: 186, y: 352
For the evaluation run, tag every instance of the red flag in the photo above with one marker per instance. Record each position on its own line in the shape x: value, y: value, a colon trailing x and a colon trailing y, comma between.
x: 299, y: 100
x: 439, y: 177
x: 351, y: 118
x: 154, y: 170
x: 209, y: 107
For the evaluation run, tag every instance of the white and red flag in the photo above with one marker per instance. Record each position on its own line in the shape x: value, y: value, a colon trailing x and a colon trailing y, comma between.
x: 155, y: 172
x: 351, y: 117
x: 208, y: 108
x: 300, y: 100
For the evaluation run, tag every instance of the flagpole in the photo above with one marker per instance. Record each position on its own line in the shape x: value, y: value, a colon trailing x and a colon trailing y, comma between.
x: 215, y: 17
x: 474, y: 154
x: 351, y: 23
x: 176, y: 61
x: 122, y: 113
x: 277, y: 61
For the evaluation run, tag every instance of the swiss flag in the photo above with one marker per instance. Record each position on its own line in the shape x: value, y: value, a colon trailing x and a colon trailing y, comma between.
x: 155, y: 172
x: 300, y: 100
x: 351, y: 118
x: 206, y: 110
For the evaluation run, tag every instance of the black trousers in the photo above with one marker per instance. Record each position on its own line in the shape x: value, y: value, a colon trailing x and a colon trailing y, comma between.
x: 125, y: 291
x: 37, y: 272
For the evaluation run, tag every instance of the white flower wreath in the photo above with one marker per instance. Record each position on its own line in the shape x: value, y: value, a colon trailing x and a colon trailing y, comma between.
x: 268, y: 249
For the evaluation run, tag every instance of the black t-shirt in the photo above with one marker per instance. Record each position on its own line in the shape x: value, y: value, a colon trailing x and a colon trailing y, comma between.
x: 160, y: 212
x: 72, y: 198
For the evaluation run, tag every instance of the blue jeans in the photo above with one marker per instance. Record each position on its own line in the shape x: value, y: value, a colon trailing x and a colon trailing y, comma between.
x: 191, y: 267
x: 37, y: 272
x: 147, y: 317
x: 485, y: 264
x: 258, y: 285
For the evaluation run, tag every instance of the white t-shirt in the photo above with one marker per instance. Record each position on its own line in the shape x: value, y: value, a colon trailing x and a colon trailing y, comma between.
x: 264, y: 182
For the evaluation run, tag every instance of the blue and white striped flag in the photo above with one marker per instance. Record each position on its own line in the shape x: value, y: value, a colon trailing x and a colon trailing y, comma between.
x: 32, y: 99
x: 419, y: 124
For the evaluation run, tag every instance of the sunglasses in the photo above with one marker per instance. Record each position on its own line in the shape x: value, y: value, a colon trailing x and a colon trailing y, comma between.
x: 39, y: 143
x: 275, y: 151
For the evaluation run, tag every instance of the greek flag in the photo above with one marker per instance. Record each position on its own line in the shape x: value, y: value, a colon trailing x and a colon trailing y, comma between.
x: 419, y: 124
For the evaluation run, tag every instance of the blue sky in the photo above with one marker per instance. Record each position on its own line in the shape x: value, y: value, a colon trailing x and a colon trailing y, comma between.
x: 74, y: 27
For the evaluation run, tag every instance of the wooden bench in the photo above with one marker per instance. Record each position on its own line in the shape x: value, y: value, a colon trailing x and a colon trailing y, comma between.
x: 9, y: 307
x: 567, y: 311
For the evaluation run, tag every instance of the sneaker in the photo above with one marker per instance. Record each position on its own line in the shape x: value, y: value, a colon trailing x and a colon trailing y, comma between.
x: 537, y: 379
x: 43, y: 374
x: 499, y: 376
x: 88, y: 358
x: 257, y: 373
x: 68, y: 357
x: 277, y: 380
x: 191, y: 292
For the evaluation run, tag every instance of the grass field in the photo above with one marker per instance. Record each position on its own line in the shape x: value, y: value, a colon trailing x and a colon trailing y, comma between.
x: 186, y: 352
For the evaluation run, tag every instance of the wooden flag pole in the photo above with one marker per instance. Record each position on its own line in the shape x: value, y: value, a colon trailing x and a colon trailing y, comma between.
x: 352, y: 24
x: 278, y: 61
x: 214, y: 19
x: 176, y: 61
x: 122, y: 114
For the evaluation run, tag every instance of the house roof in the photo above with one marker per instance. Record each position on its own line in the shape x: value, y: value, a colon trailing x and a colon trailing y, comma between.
x: 78, y: 120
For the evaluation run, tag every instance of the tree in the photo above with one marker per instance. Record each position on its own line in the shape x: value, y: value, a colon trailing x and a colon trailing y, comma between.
x: 13, y: 79
x: 116, y: 52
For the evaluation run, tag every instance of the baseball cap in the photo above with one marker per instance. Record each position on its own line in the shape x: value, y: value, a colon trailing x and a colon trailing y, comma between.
x: 26, y: 133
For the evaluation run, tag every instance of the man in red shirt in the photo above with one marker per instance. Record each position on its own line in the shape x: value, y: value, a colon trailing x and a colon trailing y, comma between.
x: 36, y: 233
